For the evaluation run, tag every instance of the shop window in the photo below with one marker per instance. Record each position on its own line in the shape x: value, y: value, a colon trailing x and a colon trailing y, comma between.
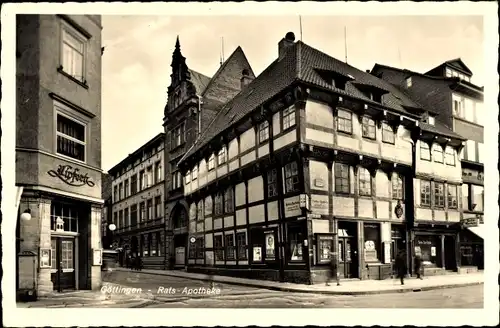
x: 425, y: 193
x: 372, y: 242
x: 230, y: 249
x: 65, y: 216
x: 388, y: 135
x: 397, y: 187
x: 425, y: 152
x: 263, y: 131
x: 272, y: 183
x: 437, y: 153
x: 295, y: 239
x: 438, y: 194
x: 427, y: 248
x: 288, y: 118
x: 477, y: 198
x: 270, y: 247
x: 452, y: 196
x: 291, y: 177
x: 211, y: 162
x: 450, y: 156
x: 241, y: 244
x: 324, y: 248
x: 344, y: 121
x: 218, y: 248
x: 221, y: 157
x: 342, y: 183
x: 365, y: 182
x: 229, y: 200
x: 218, y: 204
x: 369, y: 129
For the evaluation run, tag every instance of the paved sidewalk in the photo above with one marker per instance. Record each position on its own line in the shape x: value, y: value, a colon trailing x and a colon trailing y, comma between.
x: 347, y: 287
x: 88, y: 298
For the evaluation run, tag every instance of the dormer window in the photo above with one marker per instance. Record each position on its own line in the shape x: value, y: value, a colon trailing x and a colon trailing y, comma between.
x: 338, y: 83
x: 431, y: 120
x: 408, y: 82
x: 448, y: 72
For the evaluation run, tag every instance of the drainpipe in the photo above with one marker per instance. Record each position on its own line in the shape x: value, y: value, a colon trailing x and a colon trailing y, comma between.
x: 200, y: 102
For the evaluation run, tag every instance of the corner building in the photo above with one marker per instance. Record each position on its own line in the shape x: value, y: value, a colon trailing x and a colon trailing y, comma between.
x: 58, y: 149
x: 313, y: 156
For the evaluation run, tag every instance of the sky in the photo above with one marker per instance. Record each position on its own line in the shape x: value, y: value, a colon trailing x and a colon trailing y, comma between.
x: 138, y: 52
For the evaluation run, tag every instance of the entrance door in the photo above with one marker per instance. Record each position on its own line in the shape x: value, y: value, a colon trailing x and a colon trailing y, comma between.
x: 449, y: 256
x: 63, y: 263
x: 397, y: 245
x: 348, y: 265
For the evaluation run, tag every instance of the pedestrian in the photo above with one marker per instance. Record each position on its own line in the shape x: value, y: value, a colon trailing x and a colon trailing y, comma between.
x: 138, y: 263
x: 418, y: 265
x: 333, y: 270
x: 400, y: 264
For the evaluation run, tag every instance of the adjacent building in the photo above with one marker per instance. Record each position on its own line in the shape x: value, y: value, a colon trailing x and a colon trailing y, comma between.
x: 58, y: 150
x: 106, y: 217
x: 138, y: 198
x: 314, y: 156
x: 193, y: 101
x: 457, y: 103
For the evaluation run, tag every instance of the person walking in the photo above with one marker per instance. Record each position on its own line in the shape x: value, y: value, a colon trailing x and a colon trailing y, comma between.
x: 333, y: 270
x: 400, y: 264
x: 418, y: 266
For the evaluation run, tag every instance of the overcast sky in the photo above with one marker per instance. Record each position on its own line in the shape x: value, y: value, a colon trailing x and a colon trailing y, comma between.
x: 136, y: 62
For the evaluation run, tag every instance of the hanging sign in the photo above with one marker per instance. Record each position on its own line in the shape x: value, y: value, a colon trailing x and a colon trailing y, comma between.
x: 71, y: 176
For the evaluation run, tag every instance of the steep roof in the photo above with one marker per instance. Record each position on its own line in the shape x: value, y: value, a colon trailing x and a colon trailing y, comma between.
x: 199, y: 81
x: 455, y: 63
x: 301, y: 63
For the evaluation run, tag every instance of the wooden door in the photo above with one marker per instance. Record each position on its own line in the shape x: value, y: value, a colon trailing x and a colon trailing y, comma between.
x: 345, y: 257
x: 63, y: 263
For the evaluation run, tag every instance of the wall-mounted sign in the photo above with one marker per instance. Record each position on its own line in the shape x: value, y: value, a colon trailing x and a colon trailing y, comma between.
x: 270, y: 250
x: 257, y: 254
x: 387, y: 252
x: 470, y: 222
x: 472, y: 175
x: 398, y: 210
x: 319, y: 205
x: 433, y: 251
x: 292, y: 206
x: 424, y: 242
x: 71, y: 176
x: 96, y: 256
x: 320, y: 183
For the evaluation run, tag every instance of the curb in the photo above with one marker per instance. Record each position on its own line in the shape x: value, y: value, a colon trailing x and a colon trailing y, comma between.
x: 323, y: 292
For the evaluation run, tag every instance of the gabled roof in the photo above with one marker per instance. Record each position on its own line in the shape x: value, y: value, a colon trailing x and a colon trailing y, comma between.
x: 301, y: 63
x: 455, y: 63
x: 199, y: 81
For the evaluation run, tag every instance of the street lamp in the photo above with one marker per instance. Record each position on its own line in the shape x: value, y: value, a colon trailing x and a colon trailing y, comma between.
x: 112, y: 227
x: 26, y: 215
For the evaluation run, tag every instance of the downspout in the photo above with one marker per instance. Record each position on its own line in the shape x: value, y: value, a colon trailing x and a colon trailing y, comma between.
x: 200, y: 102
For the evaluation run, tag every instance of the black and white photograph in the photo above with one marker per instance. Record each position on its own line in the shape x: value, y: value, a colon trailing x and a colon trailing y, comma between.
x: 234, y: 158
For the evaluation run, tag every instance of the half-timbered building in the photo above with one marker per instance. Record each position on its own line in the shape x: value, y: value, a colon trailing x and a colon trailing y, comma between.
x: 314, y: 160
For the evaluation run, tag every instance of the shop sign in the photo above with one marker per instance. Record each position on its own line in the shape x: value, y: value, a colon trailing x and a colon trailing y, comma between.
x: 270, y: 249
x: 319, y: 205
x: 424, y: 242
x: 470, y: 222
x: 320, y: 183
x: 398, y: 210
x: 257, y: 254
x: 71, y: 176
x: 292, y: 207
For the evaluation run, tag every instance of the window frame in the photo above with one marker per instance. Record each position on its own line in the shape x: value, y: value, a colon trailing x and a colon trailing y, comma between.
x: 449, y: 198
x: 219, y: 204
x: 66, y: 28
x: 211, y: 162
x: 194, y: 173
x: 288, y: 120
x: 188, y: 177
x: 347, y: 121
x: 388, y: 134
x: 272, y: 183
x: 438, y: 197
x: 179, y: 135
x: 263, y: 131
x: 229, y: 200
x: 289, y: 175
x: 368, y: 123
x: 398, y: 187
x: 222, y: 156
x: 449, y: 151
x: 63, y: 111
x: 437, y: 153
x: 425, y: 148
x: 241, y: 249
x: 423, y: 192
x: 362, y: 174
x: 219, y: 248
x: 230, y: 250
x: 342, y: 178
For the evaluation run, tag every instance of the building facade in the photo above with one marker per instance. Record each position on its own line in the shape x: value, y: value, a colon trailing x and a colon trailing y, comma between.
x: 107, y: 213
x: 447, y: 90
x: 138, y: 198
x: 58, y: 150
x: 193, y: 101
x: 314, y: 158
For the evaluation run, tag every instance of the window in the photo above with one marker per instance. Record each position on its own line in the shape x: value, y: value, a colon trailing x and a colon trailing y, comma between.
x: 450, y: 156
x: 178, y: 136
x: 425, y: 152
x: 431, y: 120
x: 115, y: 218
x: 199, y: 247
x: 438, y: 194
x: 368, y: 128
x: 149, y: 176
x: 408, y: 82
x: 194, y: 173
x: 291, y: 177
x: 64, y: 217
x: 477, y: 198
x: 365, y: 182
x: 454, y: 74
x: 218, y: 248
x: 120, y: 191
x: 458, y: 107
x: 176, y: 180
x: 125, y: 190
x: 115, y: 193
x: 448, y: 72
x: 481, y: 154
x: 272, y: 183
x: 158, y: 207
x: 372, y: 242
x: 221, y: 157
x: 425, y: 193
x: 397, y: 187
x: 241, y: 244
x: 150, y: 209
x: 70, y: 138
x: 133, y: 184
x: 158, y: 172
x: 188, y: 177
x: 126, y: 218
x: 142, y: 180
x: 344, y: 121
x: 342, y: 183
x: 133, y: 215
x: 229, y: 200
x: 73, y: 54
x: 218, y: 204
x: 208, y: 206
x: 211, y: 162
x: 67, y: 262
x: 388, y: 134
x: 263, y: 131
x: 296, y: 240
x: 199, y: 214
x: 160, y: 244
x: 470, y: 150
x: 230, y: 249
x: 288, y: 117
x: 142, y: 214
x: 452, y: 196
x: 153, y: 244
x: 437, y: 153
x: 120, y: 219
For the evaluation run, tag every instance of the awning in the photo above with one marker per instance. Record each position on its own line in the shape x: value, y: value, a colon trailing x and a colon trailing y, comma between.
x: 479, y: 231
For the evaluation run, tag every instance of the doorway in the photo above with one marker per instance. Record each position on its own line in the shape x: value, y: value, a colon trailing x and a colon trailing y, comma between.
x: 180, y: 245
x: 450, y: 261
x: 348, y: 263
x: 63, y: 263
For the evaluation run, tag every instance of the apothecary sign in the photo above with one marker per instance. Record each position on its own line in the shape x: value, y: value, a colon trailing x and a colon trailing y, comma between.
x: 71, y: 176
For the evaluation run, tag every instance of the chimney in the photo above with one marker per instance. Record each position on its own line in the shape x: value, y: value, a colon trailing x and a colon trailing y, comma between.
x: 245, y: 79
x: 285, y: 43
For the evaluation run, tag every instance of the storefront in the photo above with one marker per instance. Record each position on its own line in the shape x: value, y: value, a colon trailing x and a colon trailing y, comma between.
x: 472, y: 242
